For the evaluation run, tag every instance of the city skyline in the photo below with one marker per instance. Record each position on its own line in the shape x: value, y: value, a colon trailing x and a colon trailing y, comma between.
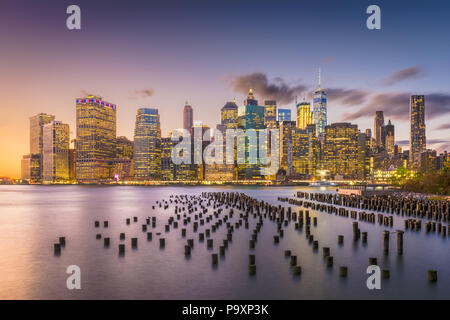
x: 47, y: 66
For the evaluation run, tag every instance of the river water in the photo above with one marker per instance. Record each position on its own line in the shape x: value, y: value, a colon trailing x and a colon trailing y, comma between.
x: 33, y: 217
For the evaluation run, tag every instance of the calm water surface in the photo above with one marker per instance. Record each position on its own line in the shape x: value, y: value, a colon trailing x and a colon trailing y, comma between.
x: 33, y: 217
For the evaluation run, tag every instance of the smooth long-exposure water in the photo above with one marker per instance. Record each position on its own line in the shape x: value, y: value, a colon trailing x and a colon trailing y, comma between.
x: 33, y: 217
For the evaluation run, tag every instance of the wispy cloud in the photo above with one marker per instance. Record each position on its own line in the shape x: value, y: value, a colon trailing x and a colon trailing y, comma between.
x: 277, y: 89
x: 141, y: 93
x: 396, y: 106
x: 348, y: 97
x: 404, y: 74
x: 444, y: 126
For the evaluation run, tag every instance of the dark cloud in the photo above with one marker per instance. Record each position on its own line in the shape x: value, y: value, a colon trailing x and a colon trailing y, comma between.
x: 396, y: 106
x: 348, y: 97
x: 142, y: 93
x: 277, y: 90
x: 404, y: 74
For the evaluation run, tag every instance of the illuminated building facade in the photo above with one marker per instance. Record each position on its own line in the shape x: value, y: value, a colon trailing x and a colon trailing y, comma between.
x: 284, y: 115
x: 56, y: 143
x: 224, y: 171
x: 147, y: 145
x: 417, y: 139
x: 270, y: 114
x: 250, y: 117
x: 304, y: 115
x: 31, y: 167
x: 341, y: 149
x: 122, y: 168
x: 378, y: 128
x: 96, y: 139
x: 167, y: 165
x: 389, y: 139
x: 286, y: 128
x: 319, y: 115
x: 305, y: 149
x: 37, y: 124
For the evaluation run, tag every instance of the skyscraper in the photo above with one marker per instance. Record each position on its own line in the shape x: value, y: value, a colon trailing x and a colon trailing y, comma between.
x: 304, y: 115
x: 56, y: 142
x: 305, y: 151
x: 417, y: 139
x: 378, y: 128
x: 319, y: 115
x: 188, y: 117
x: 341, y: 149
x: 286, y: 128
x: 123, y: 162
x: 229, y: 115
x: 147, y: 145
x: 284, y: 115
x: 96, y: 139
x: 167, y: 165
x: 270, y: 114
x: 250, y: 117
x: 37, y: 124
x: 388, y: 137
x: 224, y: 171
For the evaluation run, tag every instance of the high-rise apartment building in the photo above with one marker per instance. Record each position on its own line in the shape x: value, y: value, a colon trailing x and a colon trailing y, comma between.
x: 96, y: 139
x: 389, y: 138
x: 378, y: 128
x: 188, y: 117
x: 341, y: 149
x: 37, y: 124
x: 417, y: 138
x: 147, y: 145
x: 270, y: 114
x: 56, y: 143
x: 250, y: 118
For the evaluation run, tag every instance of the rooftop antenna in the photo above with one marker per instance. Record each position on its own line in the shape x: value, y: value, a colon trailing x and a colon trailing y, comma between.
x: 319, y: 78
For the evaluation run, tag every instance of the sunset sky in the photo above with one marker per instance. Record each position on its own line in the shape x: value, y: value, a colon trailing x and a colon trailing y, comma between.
x: 164, y: 53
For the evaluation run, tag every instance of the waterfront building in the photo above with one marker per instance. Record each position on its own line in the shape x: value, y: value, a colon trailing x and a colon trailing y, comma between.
x: 304, y: 152
x: 224, y: 171
x: 31, y: 167
x: 96, y: 139
x: 37, y: 124
x: 147, y: 145
x: 56, y: 144
x: 167, y: 165
x: 285, y: 146
x: 250, y: 117
x: 341, y: 150
x: 417, y: 138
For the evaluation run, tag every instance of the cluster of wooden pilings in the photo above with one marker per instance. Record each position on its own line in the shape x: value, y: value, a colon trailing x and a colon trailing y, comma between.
x: 197, y: 218
x: 435, y: 210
